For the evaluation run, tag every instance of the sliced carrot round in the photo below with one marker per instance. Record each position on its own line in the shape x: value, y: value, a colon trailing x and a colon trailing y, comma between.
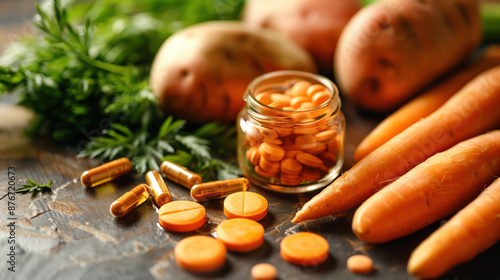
x: 182, y: 216
x: 248, y: 205
x: 360, y: 264
x: 200, y: 253
x: 264, y: 271
x: 304, y: 248
x: 240, y: 234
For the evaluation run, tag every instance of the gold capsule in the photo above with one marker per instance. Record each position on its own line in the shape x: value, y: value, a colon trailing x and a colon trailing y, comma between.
x: 129, y: 201
x: 179, y: 174
x: 106, y: 172
x: 159, y: 189
x: 219, y: 189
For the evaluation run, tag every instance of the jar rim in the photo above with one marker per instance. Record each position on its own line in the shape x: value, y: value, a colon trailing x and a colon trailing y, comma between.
x: 294, y: 74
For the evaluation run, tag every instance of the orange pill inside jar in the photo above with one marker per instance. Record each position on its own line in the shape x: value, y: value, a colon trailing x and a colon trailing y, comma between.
x: 291, y: 132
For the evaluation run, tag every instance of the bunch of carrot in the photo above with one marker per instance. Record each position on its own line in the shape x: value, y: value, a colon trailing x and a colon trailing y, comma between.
x: 429, y: 167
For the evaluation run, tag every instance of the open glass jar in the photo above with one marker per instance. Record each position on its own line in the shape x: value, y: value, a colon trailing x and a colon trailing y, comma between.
x: 291, y: 132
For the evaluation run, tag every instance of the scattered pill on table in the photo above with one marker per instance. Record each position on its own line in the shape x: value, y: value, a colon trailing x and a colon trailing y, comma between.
x: 360, y: 264
x: 182, y: 216
x: 200, y: 254
x: 106, y: 172
x: 129, y: 201
x: 158, y: 187
x: 304, y: 248
x: 219, y: 189
x: 180, y: 174
x: 240, y: 234
x: 264, y: 271
x: 248, y: 205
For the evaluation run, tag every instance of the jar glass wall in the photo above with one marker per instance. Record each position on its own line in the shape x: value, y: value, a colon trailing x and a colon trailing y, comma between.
x: 291, y: 132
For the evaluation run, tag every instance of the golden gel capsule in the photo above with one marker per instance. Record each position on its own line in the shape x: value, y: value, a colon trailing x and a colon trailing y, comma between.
x: 158, y: 188
x: 106, y: 172
x: 219, y: 189
x: 129, y: 201
x: 179, y: 174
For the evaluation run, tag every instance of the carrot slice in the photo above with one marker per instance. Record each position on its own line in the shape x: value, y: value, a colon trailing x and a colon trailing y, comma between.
x: 304, y: 248
x: 241, y: 235
x: 360, y: 264
x: 248, y: 205
x: 182, y: 216
x: 200, y: 253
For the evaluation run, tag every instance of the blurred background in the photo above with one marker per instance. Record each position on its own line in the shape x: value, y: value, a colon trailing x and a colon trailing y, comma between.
x: 15, y: 20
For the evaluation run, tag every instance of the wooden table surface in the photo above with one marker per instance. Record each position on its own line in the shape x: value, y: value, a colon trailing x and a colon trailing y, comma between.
x: 70, y: 233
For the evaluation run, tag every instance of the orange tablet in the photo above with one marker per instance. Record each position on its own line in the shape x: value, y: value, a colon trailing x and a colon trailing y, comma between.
x: 360, y: 264
x: 182, y: 216
x: 240, y: 234
x: 304, y: 248
x: 264, y: 271
x: 200, y: 253
x: 248, y: 205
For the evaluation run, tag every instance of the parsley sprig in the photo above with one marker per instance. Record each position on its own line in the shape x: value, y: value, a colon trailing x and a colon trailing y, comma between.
x: 86, y: 80
x: 35, y: 187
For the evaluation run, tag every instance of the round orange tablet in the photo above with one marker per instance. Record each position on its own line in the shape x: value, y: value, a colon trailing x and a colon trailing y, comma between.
x: 291, y: 166
x: 309, y: 160
x: 264, y: 271
x: 200, y: 253
x: 182, y: 216
x: 360, y: 264
x: 240, y: 234
x: 271, y: 152
x: 304, y: 248
x: 248, y: 205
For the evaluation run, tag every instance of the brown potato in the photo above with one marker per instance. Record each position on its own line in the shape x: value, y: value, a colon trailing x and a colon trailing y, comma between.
x: 313, y: 24
x: 201, y: 73
x: 393, y: 48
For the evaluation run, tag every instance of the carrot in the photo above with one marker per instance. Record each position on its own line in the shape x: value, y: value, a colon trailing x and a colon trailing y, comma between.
x: 471, y: 231
x: 426, y: 103
x: 431, y: 191
x: 470, y: 112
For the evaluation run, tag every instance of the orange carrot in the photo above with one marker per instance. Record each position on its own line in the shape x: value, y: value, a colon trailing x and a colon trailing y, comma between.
x: 471, y: 231
x: 426, y: 103
x: 431, y: 191
x: 472, y: 111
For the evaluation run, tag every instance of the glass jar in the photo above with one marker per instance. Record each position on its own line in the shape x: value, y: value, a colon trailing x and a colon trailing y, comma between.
x: 290, y: 134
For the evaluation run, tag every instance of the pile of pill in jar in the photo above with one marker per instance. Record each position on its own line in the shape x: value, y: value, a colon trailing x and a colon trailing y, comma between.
x: 295, y: 135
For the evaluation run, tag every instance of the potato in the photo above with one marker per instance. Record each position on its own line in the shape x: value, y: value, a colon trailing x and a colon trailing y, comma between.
x: 200, y: 74
x: 313, y: 24
x: 392, y: 49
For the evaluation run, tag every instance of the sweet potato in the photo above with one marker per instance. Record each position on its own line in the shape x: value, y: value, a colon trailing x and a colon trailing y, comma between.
x: 200, y: 73
x: 313, y: 24
x: 393, y: 48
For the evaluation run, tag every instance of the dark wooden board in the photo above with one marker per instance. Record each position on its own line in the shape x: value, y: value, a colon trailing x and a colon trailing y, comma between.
x: 70, y: 233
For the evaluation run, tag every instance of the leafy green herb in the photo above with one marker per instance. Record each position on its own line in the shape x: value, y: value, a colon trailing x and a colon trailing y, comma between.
x: 35, y: 187
x: 86, y: 81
